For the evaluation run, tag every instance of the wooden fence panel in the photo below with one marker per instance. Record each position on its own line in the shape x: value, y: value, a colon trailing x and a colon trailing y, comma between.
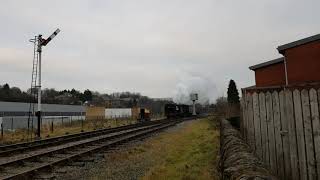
x: 277, y: 131
x: 316, y: 127
x: 250, y: 123
x: 285, y: 135
x: 243, y: 109
x: 300, y: 135
x: 308, y: 134
x: 241, y: 116
x: 246, y: 119
x: 284, y: 130
x: 270, y: 129
x: 292, y: 135
x: 316, y: 141
x: 264, y: 134
x: 257, y: 130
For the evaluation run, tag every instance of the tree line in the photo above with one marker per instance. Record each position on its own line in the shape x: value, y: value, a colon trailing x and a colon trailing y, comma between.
x: 50, y: 96
x: 76, y: 97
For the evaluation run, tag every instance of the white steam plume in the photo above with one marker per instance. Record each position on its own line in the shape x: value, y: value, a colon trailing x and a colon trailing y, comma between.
x: 192, y: 83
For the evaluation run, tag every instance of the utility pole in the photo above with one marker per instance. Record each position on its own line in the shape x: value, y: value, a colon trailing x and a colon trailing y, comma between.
x: 41, y: 42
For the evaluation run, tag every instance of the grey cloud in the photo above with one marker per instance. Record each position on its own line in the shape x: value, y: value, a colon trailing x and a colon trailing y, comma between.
x: 148, y: 46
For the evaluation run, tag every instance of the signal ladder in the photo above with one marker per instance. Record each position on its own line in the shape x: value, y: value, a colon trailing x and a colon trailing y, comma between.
x: 34, y: 87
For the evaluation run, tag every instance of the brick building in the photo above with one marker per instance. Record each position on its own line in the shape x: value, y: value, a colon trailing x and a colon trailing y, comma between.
x: 300, y: 64
x: 270, y: 73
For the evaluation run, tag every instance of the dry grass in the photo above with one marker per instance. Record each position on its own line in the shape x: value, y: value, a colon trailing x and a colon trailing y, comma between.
x: 21, y: 135
x: 188, y: 151
x: 191, y: 154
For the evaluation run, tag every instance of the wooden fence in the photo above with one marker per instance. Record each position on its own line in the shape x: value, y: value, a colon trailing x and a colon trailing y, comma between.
x: 283, y: 129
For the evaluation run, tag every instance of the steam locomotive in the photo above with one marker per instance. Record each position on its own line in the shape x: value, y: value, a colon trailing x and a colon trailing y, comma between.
x: 177, y: 110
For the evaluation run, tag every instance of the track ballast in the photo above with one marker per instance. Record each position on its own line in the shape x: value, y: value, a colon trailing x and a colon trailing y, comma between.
x: 26, y: 160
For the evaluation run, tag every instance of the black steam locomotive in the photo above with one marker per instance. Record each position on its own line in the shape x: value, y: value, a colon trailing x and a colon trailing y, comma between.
x: 177, y: 110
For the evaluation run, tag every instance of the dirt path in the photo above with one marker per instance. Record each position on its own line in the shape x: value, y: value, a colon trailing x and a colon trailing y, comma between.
x: 187, y: 151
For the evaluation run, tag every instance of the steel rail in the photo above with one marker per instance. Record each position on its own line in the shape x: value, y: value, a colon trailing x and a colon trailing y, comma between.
x: 85, y: 149
x: 19, y: 147
x: 5, y: 161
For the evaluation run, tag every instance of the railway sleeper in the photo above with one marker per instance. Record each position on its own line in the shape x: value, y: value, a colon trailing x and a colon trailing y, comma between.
x: 76, y: 164
x: 15, y: 164
x: 88, y: 159
x: 36, y: 160
x: 100, y: 156
x: 60, y: 170
x: 45, y: 177
x: 26, y: 146
x: 122, y: 138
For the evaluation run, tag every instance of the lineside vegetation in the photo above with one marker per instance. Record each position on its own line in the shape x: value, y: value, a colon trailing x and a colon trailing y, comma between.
x: 191, y: 154
x: 189, y: 150
x: 21, y: 135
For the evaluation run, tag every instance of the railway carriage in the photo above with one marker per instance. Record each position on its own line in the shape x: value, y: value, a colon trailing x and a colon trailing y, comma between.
x: 144, y: 115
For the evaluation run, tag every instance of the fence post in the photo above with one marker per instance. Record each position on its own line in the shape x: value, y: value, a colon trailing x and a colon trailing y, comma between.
x: 116, y: 121
x: 81, y: 124
x: 1, y: 131
x: 101, y: 123
x: 51, y: 126
x: 11, y: 123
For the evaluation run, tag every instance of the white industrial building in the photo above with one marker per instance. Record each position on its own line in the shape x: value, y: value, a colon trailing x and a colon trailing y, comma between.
x: 112, y: 113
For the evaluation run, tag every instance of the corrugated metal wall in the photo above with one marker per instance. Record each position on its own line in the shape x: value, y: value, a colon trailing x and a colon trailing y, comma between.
x: 7, y: 107
x: 15, y: 114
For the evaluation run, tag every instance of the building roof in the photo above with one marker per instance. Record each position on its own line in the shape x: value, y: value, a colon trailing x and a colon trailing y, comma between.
x: 268, y: 63
x: 300, y: 42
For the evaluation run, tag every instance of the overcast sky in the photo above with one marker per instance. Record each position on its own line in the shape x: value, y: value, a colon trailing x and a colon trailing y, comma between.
x: 157, y: 47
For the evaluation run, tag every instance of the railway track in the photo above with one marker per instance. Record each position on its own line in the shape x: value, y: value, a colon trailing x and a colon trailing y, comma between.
x: 26, y: 160
x: 6, y: 150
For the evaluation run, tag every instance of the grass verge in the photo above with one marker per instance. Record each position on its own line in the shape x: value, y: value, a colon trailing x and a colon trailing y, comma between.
x: 187, y: 151
x: 191, y: 154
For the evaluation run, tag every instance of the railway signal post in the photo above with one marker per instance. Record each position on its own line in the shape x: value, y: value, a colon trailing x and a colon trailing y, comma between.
x: 41, y: 42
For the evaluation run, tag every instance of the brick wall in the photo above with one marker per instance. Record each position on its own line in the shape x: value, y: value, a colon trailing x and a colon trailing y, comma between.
x: 272, y: 75
x: 303, y: 63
